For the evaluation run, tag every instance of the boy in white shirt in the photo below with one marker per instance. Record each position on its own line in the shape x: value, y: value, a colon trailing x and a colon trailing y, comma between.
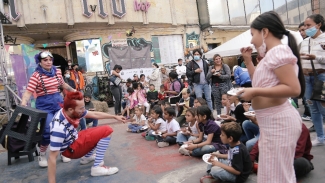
x: 172, y: 125
x: 180, y: 69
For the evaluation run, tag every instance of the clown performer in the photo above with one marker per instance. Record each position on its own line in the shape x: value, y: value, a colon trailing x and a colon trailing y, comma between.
x: 46, y: 82
x: 89, y: 145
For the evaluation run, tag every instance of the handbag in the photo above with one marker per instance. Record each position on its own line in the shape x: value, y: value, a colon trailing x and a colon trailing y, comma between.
x: 115, y: 80
x: 318, y: 92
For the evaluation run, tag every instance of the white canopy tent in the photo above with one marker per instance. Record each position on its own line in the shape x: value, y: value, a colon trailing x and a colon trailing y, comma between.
x: 232, y: 47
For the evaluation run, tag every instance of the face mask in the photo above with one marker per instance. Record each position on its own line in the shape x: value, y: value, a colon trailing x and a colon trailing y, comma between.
x: 311, y: 31
x: 196, y: 57
x: 67, y: 75
x: 262, y: 49
x: 69, y: 64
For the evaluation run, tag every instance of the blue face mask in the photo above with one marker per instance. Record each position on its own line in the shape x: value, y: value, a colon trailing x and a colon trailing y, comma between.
x: 67, y: 75
x: 311, y: 31
x: 196, y: 57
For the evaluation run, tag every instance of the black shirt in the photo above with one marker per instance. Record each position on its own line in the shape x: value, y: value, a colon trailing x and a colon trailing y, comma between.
x: 239, y: 114
x: 240, y: 160
x: 152, y: 95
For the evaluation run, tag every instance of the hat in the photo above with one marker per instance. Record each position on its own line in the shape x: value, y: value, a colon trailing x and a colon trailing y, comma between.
x: 135, y: 75
x: 234, y: 68
x: 87, y: 95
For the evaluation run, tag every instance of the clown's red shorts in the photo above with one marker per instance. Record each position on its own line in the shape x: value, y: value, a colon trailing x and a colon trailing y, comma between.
x: 87, y: 140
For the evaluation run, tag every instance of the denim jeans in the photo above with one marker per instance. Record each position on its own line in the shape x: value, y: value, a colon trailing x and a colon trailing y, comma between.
x: 169, y: 139
x: 220, y: 173
x: 203, y: 150
x: 206, y: 88
x: 117, y: 94
x: 317, y: 111
x: 84, y: 121
x: 181, y: 138
x: 134, y: 128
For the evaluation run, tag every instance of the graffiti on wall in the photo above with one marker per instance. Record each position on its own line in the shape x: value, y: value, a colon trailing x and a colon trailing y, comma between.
x: 136, y: 42
x: 192, y: 40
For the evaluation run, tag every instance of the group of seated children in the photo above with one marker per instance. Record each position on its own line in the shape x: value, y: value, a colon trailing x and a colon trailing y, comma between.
x: 197, y: 133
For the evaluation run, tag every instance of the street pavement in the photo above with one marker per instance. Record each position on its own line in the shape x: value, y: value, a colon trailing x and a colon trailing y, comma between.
x: 138, y: 161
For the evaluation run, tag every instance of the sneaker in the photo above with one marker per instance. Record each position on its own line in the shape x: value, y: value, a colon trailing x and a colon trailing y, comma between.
x: 316, y: 142
x: 103, y: 170
x: 306, y: 118
x: 208, y: 179
x: 163, y: 144
x: 42, y: 161
x: 65, y: 159
x: 86, y: 160
x: 184, y: 151
x: 312, y: 129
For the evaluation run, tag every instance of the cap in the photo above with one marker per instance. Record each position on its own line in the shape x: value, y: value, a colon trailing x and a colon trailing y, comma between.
x: 135, y: 75
x: 87, y: 95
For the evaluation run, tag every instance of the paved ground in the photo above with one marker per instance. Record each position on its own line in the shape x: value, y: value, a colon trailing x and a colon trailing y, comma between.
x: 138, y: 161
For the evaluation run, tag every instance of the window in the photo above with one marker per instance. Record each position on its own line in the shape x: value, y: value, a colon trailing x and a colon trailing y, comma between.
x: 293, y: 11
x: 168, y: 48
x: 281, y: 8
x: 252, y: 8
x: 218, y: 11
x: 266, y: 5
x: 89, y: 55
x: 237, y: 13
x: 304, y: 9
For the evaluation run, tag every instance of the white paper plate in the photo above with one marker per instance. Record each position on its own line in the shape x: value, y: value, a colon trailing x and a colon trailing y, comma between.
x: 206, y: 157
x: 250, y: 113
x: 234, y: 91
x: 304, y: 57
x: 144, y: 128
x: 181, y: 104
x: 154, y: 133
x: 184, y: 146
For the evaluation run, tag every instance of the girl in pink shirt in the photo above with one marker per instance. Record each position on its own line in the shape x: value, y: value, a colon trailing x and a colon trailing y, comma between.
x: 142, y: 97
x: 277, y: 77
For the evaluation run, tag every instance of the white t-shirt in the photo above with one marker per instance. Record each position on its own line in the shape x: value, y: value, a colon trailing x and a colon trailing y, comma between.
x: 181, y: 70
x: 139, y: 120
x: 172, y: 126
x: 162, y: 127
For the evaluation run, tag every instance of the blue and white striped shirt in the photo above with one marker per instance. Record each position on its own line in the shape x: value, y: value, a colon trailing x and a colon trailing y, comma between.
x: 60, y: 137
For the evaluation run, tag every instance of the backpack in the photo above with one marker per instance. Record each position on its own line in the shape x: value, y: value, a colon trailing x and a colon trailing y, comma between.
x: 181, y: 83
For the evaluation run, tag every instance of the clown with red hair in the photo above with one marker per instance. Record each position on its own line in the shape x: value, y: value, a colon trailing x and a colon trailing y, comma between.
x: 90, y: 145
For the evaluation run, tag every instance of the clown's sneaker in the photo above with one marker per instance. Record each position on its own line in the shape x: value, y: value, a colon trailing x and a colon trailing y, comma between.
x: 103, y: 170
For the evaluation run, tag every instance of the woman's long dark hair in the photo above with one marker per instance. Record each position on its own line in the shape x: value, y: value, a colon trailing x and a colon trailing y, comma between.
x: 273, y: 23
x: 205, y: 110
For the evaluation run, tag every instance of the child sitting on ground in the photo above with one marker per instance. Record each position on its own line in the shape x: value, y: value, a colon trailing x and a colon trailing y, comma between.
x: 138, y: 121
x: 164, y: 105
x: 185, y: 103
x: 192, y: 131
x: 162, y: 95
x: 172, y: 126
x: 152, y: 96
x: 199, y: 102
x: 234, y: 166
x: 127, y: 106
x: 207, y: 126
x: 156, y: 123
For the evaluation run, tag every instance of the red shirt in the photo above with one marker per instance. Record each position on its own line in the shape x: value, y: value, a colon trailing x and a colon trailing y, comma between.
x: 302, y: 150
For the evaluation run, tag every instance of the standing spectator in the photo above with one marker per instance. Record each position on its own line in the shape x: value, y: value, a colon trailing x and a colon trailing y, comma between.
x: 69, y: 65
x: 196, y: 72
x: 241, y: 77
x: 312, y: 50
x: 67, y: 79
x: 152, y: 96
x: 164, y: 74
x: 220, y: 75
x: 180, y: 69
x: 143, y: 81
x: 125, y: 91
x: 78, y: 78
x: 135, y: 78
x: 45, y: 82
x: 306, y: 116
x: 117, y: 90
x: 155, y: 77
x: 278, y: 76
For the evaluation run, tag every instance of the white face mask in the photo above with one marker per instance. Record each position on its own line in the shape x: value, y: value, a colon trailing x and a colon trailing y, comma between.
x: 262, y: 49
